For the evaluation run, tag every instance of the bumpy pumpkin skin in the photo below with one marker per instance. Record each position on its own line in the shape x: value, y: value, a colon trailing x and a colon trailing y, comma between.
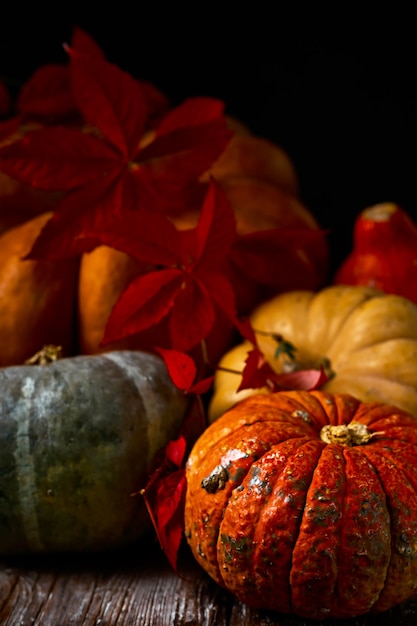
x: 366, y: 337
x: 290, y: 523
x: 77, y: 440
x: 37, y: 298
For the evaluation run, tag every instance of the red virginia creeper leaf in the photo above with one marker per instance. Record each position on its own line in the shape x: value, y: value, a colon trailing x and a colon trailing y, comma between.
x: 64, y: 159
x: 180, y: 157
x: 146, y: 300
x: 58, y: 159
x: 165, y: 489
x: 110, y: 99
x: 277, y: 257
x: 192, y: 112
x: 257, y: 373
x: 60, y: 236
x: 83, y: 42
x: 186, y: 290
x: 175, y: 451
x: 47, y: 95
x: 156, y: 101
x: 182, y: 370
x: 165, y: 500
x: 149, y: 237
x: 181, y: 367
x: 221, y: 292
x: 193, y: 315
x: 216, y: 228
x: 301, y: 379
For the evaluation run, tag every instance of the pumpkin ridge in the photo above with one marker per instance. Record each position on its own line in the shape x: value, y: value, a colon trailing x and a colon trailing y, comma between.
x: 401, y: 499
x: 342, y: 316
x: 375, y: 377
x: 361, y: 558
x: 297, y: 525
x: 237, y: 469
x: 316, y: 551
x: 243, y: 544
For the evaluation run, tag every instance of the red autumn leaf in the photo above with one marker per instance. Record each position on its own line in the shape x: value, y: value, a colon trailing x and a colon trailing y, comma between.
x: 109, y: 99
x: 277, y: 256
x: 58, y: 159
x: 47, y: 95
x: 83, y: 42
x: 188, y: 285
x: 154, y: 178
x: 165, y: 490
x: 302, y: 379
x: 175, y: 451
x: 165, y: 497
x: 147, y: 299
x: 183, y: 371
x: 193, y: 315
x: 257, y: 373
x: 157, y: 102
x: 170, y: 502
x: 192, y: 112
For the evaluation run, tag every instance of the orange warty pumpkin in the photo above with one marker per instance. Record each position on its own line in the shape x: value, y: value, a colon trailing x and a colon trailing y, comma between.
x: 306, y: 503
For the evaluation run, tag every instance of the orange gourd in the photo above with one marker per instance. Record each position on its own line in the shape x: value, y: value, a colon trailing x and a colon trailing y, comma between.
x: 37, y: 298
x: 384, y: 253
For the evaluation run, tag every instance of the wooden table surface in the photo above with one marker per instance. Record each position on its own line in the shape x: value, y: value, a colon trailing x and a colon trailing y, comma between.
x: 137, y: 587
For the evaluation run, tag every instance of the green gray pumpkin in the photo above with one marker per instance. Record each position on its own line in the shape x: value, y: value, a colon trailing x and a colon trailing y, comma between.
x: 77, y: 440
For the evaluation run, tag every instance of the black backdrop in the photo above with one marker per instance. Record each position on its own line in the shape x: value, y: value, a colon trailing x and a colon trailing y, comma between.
x: 338, y: 93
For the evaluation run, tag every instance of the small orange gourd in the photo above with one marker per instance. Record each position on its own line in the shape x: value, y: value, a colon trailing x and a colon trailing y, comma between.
x: 384, y: 252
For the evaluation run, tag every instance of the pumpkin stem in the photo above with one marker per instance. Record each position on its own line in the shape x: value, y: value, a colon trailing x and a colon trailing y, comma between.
x: 284, y: 347
x: 353, y: 434
x: 47, y: 354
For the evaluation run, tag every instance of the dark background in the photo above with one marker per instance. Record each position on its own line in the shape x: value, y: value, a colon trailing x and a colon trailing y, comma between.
x: 338, y: 92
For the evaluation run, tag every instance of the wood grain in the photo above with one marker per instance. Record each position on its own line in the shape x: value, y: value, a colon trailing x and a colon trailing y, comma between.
x: 137, y: 588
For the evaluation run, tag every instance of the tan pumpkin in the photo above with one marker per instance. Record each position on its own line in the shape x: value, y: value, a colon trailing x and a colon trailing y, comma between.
x: 366, y: 339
